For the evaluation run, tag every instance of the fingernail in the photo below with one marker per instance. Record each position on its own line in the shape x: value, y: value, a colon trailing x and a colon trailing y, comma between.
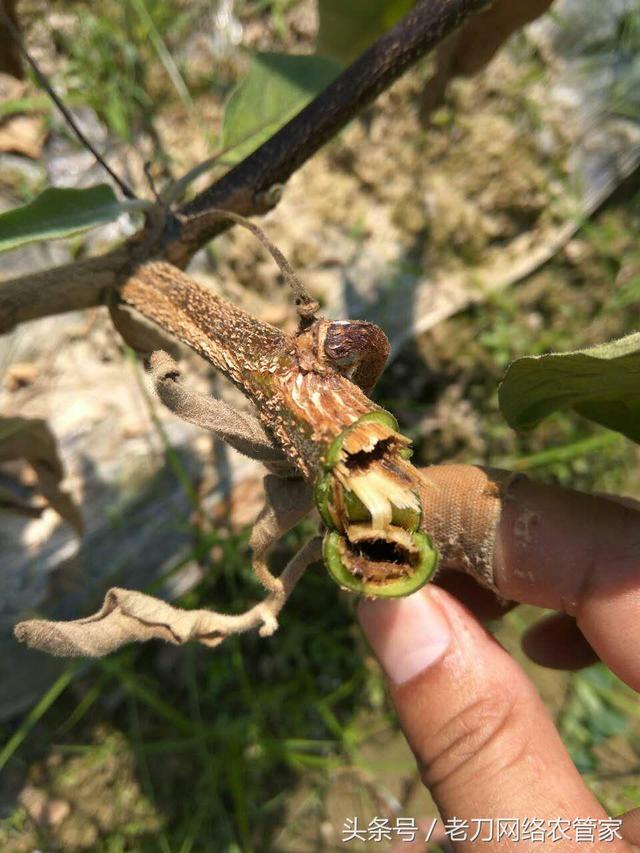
x: 408, y: 635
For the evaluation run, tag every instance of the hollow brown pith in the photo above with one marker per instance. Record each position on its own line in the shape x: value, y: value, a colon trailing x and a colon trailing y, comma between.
x: 369, y: 501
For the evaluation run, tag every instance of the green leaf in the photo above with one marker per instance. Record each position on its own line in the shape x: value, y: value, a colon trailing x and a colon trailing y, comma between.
x: 347, y: 29
x: 275, y: 89
x: 57, y: 213
x: 602, y: 383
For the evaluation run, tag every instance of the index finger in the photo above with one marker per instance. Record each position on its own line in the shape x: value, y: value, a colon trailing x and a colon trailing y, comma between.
x: 548, y: 546
x: 578, y: 554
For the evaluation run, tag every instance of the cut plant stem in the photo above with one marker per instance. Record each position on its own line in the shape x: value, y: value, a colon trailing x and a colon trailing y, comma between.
x: 371, y: 468
x: 368, y: 499
x: 385, y: 566
x: 333, y: 434
x: 380, y: 490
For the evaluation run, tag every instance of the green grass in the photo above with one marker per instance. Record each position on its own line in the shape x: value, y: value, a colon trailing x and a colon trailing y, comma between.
x: 109, y: 58
x: 218, y: 738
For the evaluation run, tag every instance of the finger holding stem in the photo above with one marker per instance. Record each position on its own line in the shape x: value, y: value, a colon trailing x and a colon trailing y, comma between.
x: 544, y: 545
x: 580, y: 555
x: 483, y: 740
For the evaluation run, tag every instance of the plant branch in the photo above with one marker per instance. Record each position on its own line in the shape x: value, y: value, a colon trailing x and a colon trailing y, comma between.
x: 245, y: 189
x: 249, y: 187
x: 71, y: 287
x: 296, y: 395
x: 307, y: 306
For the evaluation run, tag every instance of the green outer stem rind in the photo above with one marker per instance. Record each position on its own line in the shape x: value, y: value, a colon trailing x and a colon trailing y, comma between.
x: 355, y: 509
x: 405, y: 586
x: 321, y: 497
x: 322, y: 491
x: 335, y: 448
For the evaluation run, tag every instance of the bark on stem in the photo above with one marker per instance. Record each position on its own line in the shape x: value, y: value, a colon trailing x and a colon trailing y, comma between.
x: 72, y: 287
x: 245, y: 188
x: 303, y: 403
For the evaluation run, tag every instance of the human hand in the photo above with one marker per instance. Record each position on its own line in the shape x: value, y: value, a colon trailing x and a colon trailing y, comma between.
x: 485, y: 745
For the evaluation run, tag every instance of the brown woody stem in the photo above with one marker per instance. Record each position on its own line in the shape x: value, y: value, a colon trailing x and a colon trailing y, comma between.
x: 245, y: 189
x: 303, y: 402
x: 72, y: 287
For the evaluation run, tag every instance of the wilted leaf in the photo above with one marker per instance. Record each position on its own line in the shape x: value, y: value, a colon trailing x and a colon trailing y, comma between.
x: 23, y: 135
x: 601, y: 383
x: 126, y: 616
x: 12, y: 501
x: 347, y: 29
x: 32, y: 440
x: 276, y: 88
x: 57, y: 213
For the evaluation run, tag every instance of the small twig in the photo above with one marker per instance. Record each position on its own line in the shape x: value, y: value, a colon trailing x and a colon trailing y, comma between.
x: 306, y: 305
x: 42, y: 80
x: 175, y: 189
x: 152, y: 184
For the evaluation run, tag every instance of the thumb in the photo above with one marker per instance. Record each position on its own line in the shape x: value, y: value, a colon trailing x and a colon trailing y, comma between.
x: 484, y: 743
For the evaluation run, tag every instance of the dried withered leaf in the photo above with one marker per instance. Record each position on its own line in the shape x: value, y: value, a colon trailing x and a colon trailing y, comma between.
x: 32, y: 440
x: 128, y: 616
x: 10, y: 501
